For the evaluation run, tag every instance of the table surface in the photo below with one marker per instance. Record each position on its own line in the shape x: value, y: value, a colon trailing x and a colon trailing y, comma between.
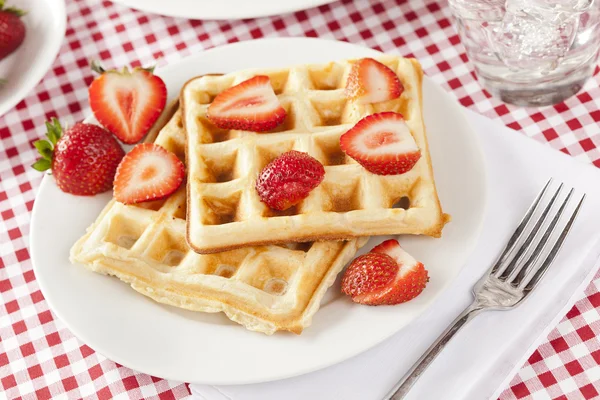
x: 40, y: 358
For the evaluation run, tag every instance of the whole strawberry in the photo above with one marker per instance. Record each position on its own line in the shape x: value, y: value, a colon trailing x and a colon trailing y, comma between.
x: 289, y: 179
x: 83, y: 160
x: 12, y: 29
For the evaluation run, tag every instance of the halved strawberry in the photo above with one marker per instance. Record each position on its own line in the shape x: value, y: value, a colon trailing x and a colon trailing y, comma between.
x: 368, y: 273
x: 250, y: 106
x: 382, y: 143
x: 289, y: 179
x: 370, y: 81
x: 148, y: 172
x: 410, y: 280
x: 386, y: 275
x: 127, y: 103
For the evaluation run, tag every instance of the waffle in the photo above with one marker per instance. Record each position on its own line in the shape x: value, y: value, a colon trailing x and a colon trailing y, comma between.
x: 264, y: 288
x: 225, y: 211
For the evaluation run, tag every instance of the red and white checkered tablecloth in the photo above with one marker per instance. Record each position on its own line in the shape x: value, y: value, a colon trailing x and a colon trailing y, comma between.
x: 40, y: 358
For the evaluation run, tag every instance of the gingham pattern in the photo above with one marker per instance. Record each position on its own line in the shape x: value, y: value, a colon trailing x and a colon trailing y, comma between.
x: 39, y: 358
x: 567, y: 365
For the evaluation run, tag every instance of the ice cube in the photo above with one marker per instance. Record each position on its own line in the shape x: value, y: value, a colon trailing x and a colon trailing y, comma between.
x: 529, y: 38
x: 568, y: 6
x: 481, y: 10
x: 549, y: 11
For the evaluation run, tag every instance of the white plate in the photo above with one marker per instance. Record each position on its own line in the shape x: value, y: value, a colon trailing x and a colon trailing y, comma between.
x: 207, y: 348
x: 45, y: 21
x: 221, y: 9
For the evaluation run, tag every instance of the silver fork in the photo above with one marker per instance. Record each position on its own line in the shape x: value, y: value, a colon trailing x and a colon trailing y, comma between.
x: 511, y: 279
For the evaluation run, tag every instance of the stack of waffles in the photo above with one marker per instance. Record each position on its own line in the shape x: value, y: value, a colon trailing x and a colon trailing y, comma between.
x: 213, y: 246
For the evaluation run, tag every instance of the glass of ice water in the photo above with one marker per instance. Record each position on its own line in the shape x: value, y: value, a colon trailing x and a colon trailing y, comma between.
x: 530, y: 52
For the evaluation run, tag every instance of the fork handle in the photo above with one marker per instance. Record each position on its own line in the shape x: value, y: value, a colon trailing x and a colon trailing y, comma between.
x: 400, y: 390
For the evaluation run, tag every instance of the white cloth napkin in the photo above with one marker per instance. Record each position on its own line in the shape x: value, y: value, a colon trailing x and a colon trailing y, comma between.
x: 480, y: 360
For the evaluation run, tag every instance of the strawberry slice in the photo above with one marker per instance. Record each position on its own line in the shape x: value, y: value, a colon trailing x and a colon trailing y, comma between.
x: 382, y: 143
x: 388, y: 275
x: 370, y: 81
x: 127, y: 103
x: 249, y: 106
x: 148, y: 172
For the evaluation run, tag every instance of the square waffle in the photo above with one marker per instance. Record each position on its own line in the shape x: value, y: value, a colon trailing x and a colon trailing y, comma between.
x: 264, y: 288
x: 224, y: 209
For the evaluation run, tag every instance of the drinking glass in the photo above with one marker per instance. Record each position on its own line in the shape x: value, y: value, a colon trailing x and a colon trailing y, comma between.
x: 530, y: 52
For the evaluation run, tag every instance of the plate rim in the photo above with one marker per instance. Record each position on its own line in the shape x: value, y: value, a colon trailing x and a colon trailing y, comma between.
x: 220, y: 12
x: 24, y: 90
x: 329, y: 361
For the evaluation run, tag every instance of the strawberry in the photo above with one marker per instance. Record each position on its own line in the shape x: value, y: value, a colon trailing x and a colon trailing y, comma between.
x: 382, y: 143
x: 370, y: 81
x: 12, y: 29
x: 83, y: 160
x: 408, y: 281
x: 288, y: 179
x: 368, y: 273
x: 250, y: 106
x: 148, y: 172
x: 127, y: 103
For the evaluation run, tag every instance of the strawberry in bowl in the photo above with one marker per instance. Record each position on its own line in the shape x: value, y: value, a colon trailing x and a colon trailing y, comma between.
x: 12, y: 29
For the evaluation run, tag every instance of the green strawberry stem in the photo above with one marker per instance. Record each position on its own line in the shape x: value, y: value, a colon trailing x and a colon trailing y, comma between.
x: 96, y: 67
x: 46, y: 147
x: 13, y: 10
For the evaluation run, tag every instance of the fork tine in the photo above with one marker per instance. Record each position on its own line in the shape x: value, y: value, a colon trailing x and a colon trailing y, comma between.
x: 524, y: 248
x: 526, y: 267
x: 537, y: 276
x: 512, y: 242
